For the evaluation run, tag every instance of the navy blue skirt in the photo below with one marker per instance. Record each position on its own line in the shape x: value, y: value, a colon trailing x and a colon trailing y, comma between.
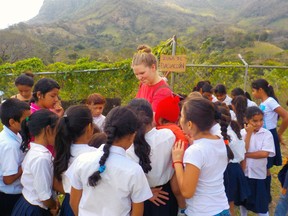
x: 258, y: 201
x: 277, y: 159
x: 7, y: 202
x: 66, y: 209
x: 23, y: 207
x: 170, y: 209
x: 235, y: 182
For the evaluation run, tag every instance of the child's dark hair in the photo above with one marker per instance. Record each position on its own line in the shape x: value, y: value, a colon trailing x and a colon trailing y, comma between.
x: 33, y: 125
x: 201, y: 112
x: 12, y: 108
x: 268, y: 89
x: 220, y: 89
x: 25, y: 79
x: 226, y: 116
x: 71, y: 126
x: 44, y: 86
x: 240, y: 104
x: 207, y: 88
x: 120, y: 122
x: 142, y: 149
x: 98, y: 139
x: 238, y: 91
x: 200, y: 84
x: 252, y: 111
x: 95, y: 98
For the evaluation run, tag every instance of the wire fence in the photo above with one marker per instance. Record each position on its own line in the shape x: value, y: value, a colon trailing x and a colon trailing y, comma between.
x: 121, y: 83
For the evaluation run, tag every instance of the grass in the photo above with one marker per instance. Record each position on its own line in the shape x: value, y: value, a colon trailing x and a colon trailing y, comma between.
x: 264, y: 49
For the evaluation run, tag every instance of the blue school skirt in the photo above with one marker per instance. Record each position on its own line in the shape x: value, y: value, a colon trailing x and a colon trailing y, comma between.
x: 277, y: 159
x: 235, y: 182
x: 23, y: 207
x: 66, y: 209
x: 170, y: 209
x: 258, y: 200
x: 7, y: 202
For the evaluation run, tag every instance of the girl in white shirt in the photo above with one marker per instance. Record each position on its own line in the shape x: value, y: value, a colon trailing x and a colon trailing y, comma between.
x: 106, y: 182
x: 37, y: 166
x: 152, y: 149
x: 272, y: 110
x: 236, y: 185
x: 259, y: 145
x: 201, y: 178
x: 74, y: 131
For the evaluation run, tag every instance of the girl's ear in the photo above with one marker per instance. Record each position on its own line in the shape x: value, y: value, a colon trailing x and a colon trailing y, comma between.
x: 153, y: 67
x: 39, y: 94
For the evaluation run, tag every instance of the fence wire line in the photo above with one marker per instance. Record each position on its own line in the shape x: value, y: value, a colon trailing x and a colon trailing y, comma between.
x: 119, y: 82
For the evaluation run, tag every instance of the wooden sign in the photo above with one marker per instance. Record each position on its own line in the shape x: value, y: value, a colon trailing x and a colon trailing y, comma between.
x: 169, y: 63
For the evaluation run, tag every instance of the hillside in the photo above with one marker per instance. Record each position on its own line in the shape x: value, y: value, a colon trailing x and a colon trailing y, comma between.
x: 111, y: 29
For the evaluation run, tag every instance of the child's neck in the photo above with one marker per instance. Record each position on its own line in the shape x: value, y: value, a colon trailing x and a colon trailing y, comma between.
x: 264, y: 97
x: 204, y: 134
x: 40, y: 141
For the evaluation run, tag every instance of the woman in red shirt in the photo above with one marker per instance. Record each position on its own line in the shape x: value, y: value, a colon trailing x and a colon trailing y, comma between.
x: 152, y: 87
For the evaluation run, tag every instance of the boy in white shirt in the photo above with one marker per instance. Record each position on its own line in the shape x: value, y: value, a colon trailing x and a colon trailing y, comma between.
x: 13, y: 111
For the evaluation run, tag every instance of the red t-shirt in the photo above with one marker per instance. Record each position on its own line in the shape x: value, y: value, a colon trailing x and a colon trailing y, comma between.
x: 179, y: 134
x: 154, y: 93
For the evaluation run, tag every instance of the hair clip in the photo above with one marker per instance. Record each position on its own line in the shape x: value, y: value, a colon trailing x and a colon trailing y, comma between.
x: 226, y: 142
x: 102, y: 169
x: 27, y: 118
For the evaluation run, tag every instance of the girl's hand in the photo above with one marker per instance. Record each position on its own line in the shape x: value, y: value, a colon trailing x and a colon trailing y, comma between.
x: 55, y: 210
x: 178, y: 151
x: 159, y: 196
x: 249, y: 128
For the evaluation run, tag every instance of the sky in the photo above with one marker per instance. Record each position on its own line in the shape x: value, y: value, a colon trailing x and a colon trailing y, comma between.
x: 15, y: 11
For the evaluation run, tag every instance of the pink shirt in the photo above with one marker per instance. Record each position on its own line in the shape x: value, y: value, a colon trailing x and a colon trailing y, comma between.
x: 154, y: 93
x: 34, y: 108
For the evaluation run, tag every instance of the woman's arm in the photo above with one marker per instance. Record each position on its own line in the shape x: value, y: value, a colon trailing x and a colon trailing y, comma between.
x: 75, y: 197
x: 284, y: 116
x: 137, y: 209
x: 257, y: 155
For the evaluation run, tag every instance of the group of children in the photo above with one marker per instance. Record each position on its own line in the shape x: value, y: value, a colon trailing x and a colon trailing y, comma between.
x: 157, y: 156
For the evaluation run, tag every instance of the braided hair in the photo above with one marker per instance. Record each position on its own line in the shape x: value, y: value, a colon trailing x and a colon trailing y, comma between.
x: 120, y: 122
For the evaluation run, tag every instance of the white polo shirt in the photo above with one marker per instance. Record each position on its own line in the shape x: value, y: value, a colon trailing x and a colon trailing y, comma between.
x: 11, y: 158
x: 251, y: 103
x: 76, y: 150
x: 260, y: 141
x: 237, y: 146
x: 161, y: 142
x: 99, y: 121
x: 210, y: 157
x: 122, y: 183
x: 270, y: 116
x: 37, y: 177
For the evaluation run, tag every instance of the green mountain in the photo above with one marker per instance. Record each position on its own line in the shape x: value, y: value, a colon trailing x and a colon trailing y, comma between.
x: 65, y: 30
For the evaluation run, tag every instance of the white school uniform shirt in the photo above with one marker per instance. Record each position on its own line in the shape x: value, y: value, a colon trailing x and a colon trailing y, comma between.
x: 210, y: 156
x: 161, y: 142
x: 251, y: 103
x: 270, y: 116
x: 260, y: 141
x: 76, y: 150
x: 11, y: 158
x: 237, y: 146
x: 122, y: 183
x: 216, y: 130
x: 37, y: 176
x: 99, y: 121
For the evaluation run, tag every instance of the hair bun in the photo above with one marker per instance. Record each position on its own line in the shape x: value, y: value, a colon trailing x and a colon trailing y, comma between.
x: 144, y: 48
